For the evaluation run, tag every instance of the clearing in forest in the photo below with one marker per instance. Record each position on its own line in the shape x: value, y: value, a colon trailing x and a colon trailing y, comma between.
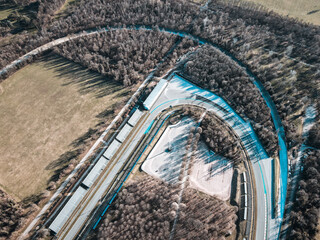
x: 46, y: 109
x: 6, y: 10
x: 308, y: 11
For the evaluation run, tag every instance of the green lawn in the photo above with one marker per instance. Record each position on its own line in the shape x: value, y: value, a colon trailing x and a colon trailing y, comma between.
x: 44, y: 107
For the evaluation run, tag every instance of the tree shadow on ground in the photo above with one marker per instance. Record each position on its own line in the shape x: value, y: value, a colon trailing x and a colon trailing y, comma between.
x: 82, y: 139
x: 61, y: 163
x: 34, y: 198
x: 104, y: 116
x: 63, y: 159
x: 87, y: 81
x: 106, y: 113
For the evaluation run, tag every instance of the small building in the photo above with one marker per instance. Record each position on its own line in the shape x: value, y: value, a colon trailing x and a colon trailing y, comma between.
x: 122, y: 135
x: 154, y: 95
x: 245, y: 188
x: 95, y: 172
x: 244, y: 177
x: 245, y: 213
x: 135, y: 117
x: 111, y: 150
x: 67, y: 210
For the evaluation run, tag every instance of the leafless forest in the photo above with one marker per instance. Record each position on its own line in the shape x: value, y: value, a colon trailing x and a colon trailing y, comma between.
x: 125, y: 56
x: 214, y: 71
x: 240, y: 29
x: 11, y: 214
x: 281, y: 52
x: 146, y: 209
x: 216, y: 135
x: 305, y: 213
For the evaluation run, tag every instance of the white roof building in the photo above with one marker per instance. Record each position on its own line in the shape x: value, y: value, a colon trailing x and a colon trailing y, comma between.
x: 67, y: 210
x: 135, y: 117
x: 111, y: 150
x: 122, y: 135
x: 154, y: 95
x: 95, y: 171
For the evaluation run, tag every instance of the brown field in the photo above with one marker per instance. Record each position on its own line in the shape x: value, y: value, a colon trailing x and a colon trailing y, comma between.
x: 44, y: 108
x: 67, y: 4
x: 4, y: 13
x: 307, y: 11
x: 199, y: 1
x: 6, y: 10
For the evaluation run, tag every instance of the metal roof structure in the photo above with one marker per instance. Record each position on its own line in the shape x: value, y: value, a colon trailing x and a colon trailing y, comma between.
x: 154, y: 95
x: 244, y: 176
x: 111, y: 150
x: 124, y: 133
x: 95, y: 171
x: 67, y: 210
x: 245, y: 213
x: 135, y: 117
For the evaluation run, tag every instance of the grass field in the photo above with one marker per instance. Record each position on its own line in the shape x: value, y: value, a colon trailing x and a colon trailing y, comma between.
x: 62, y: 11
x: 5, y: 10
x: 5, y: 13
x: 44, y: 108
x: 308, y: 11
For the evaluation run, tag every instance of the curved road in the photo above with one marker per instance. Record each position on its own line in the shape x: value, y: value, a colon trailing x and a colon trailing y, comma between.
x: 181, y: 92
x: 264, y: 93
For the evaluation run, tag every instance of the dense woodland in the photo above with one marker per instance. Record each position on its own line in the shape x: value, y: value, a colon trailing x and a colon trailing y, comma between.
x: 212, y: 70
x: 11, y: 214
x: 219, y: 139
x: 146, y: 209
x: 314, y: 135
x: 28, y: 15
x: 244, y: 24
x: 305, y: 212
x: 126, y: 56
x: 47, y: 8
x: 215, y: 134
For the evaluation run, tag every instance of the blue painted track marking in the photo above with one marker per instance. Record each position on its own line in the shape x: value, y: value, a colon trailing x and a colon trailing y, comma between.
x: 148, y: 129
x: 94, y: 227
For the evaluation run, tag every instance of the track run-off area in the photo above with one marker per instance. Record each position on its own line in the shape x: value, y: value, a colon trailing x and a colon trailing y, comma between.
x: 272, y: 225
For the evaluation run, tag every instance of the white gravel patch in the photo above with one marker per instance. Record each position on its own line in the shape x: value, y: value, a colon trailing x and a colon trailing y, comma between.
x: 165, y: 164
x: 211, y: 173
